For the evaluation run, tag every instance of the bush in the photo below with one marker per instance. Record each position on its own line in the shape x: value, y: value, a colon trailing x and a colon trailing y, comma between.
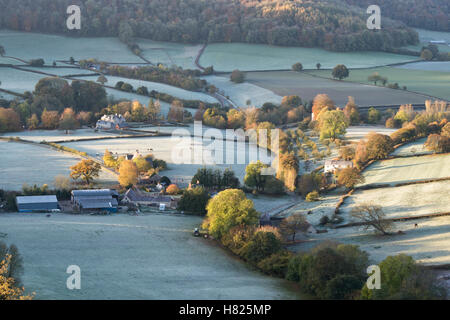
x: 262, y: 245
x: 172, y: 189
x: 324, y: 220
x: 297, y: 67
x: 194, y: 201
x: 313, y: 196
x: 237, y: 76
x: 276, y: 264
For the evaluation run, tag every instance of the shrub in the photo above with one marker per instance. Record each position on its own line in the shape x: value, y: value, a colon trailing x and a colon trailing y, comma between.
x: 172, y: 189
x: 297, y: 67
x: 312, y: 196
x: 276, y: 264
x: 324, y: 220
x: 262, y: 245
x: 194, y: 201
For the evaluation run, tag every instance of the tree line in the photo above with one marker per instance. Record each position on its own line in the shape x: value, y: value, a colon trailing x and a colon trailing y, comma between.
x: 284, y: 23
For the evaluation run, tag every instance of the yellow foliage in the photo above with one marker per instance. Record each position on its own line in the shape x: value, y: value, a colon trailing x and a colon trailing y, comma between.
x: 8, y: 291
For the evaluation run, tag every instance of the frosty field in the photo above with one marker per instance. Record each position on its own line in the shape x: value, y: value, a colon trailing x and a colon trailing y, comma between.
x: 57, y: 135
x: 246, y: 57
x: 24, y: 163
x: 356, y: 133
x: 413, y: 148
x: 425, y: 36
x: 405, y: 201
x: 442, y: 66
x: 27, y: 46
x: 19, y: 81
x: 160, y: 87
x: 401, y: 170
x: 169, y: 53
x: 428, y: 243
x: 163, y: 148
x: 240, y: 93
x: 307, y: 87
x: 131, y: 257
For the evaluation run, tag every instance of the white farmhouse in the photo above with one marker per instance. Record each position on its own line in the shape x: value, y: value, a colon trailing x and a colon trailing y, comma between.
x: 111, y: 121
x: 332, y: 165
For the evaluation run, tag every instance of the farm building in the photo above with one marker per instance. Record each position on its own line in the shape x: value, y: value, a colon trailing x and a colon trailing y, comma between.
x: 109, y: 122
x: 332, y: 165
x: 37, y: 203
x: 138, y: 197
x: 96, y: 199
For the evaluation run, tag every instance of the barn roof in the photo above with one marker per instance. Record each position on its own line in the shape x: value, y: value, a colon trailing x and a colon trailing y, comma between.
x: 98, y: 204
x: 94, y: 192
x: 36, y: 199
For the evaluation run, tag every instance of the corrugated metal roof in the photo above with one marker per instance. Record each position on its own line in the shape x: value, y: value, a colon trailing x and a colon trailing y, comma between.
x: 95, y: 204
x: 36, y: 199
x: 94, y: 192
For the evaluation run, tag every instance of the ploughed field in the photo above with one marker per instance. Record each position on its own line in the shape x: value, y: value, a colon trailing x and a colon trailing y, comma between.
x: 308, y: 86
x: 131, y: 257
x: 433, y: 83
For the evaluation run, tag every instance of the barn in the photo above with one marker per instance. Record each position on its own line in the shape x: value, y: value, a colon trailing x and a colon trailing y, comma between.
x: 37, y: 203
x: 95, y: 199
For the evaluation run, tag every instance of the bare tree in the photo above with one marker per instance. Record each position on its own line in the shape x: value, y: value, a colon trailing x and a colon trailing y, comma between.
x: 293, y: 224
x: 372, y: 216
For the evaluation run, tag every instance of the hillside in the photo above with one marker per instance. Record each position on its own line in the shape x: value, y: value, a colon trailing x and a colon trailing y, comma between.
x: 329, y: 24
x: 426, y: 14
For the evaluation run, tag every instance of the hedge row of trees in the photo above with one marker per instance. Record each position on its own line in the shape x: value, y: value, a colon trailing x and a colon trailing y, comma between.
x: 286, y: 23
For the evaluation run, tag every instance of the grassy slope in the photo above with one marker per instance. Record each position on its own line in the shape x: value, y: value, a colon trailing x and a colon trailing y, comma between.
x: 432, y: 83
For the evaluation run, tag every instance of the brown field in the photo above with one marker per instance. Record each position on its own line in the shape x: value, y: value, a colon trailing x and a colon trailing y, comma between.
x: 307, y: 87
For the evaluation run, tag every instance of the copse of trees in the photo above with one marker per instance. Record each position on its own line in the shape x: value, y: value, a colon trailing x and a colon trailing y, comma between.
x: 418, y: 13
x: 215, y: 179
x: 237, y: 76
x: 194, y: 201
x: 195, y: 21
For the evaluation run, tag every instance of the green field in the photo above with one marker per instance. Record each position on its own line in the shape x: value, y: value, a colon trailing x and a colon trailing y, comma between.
x: 242, y: 56
x: 432, y: 83
x: 307, y: 87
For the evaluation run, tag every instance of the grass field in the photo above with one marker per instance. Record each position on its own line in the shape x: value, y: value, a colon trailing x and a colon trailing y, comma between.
x: 160, y: 87
x: 131, y: 257
x: 23, y: 163
x: 57, y: 135
x: 307, y: 87
x: 169, y: 53
x: 18, y: 81
x: 432, y: 83
x: 245, y: 57
x: 240, y: 93
x: 171, y: 150
x: 401, y: 170
x: 441, y: 66
x: 53, y: 47
x: 405, y: 201
x: 427, y: 35
x: 413, y: 148
x: 428, y: 243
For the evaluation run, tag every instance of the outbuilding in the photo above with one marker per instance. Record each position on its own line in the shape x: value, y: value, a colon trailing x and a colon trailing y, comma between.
x: 96, y: 199
x: 37, y: 203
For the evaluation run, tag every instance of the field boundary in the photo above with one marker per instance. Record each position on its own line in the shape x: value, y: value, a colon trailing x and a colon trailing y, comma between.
x: 423, y: 216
